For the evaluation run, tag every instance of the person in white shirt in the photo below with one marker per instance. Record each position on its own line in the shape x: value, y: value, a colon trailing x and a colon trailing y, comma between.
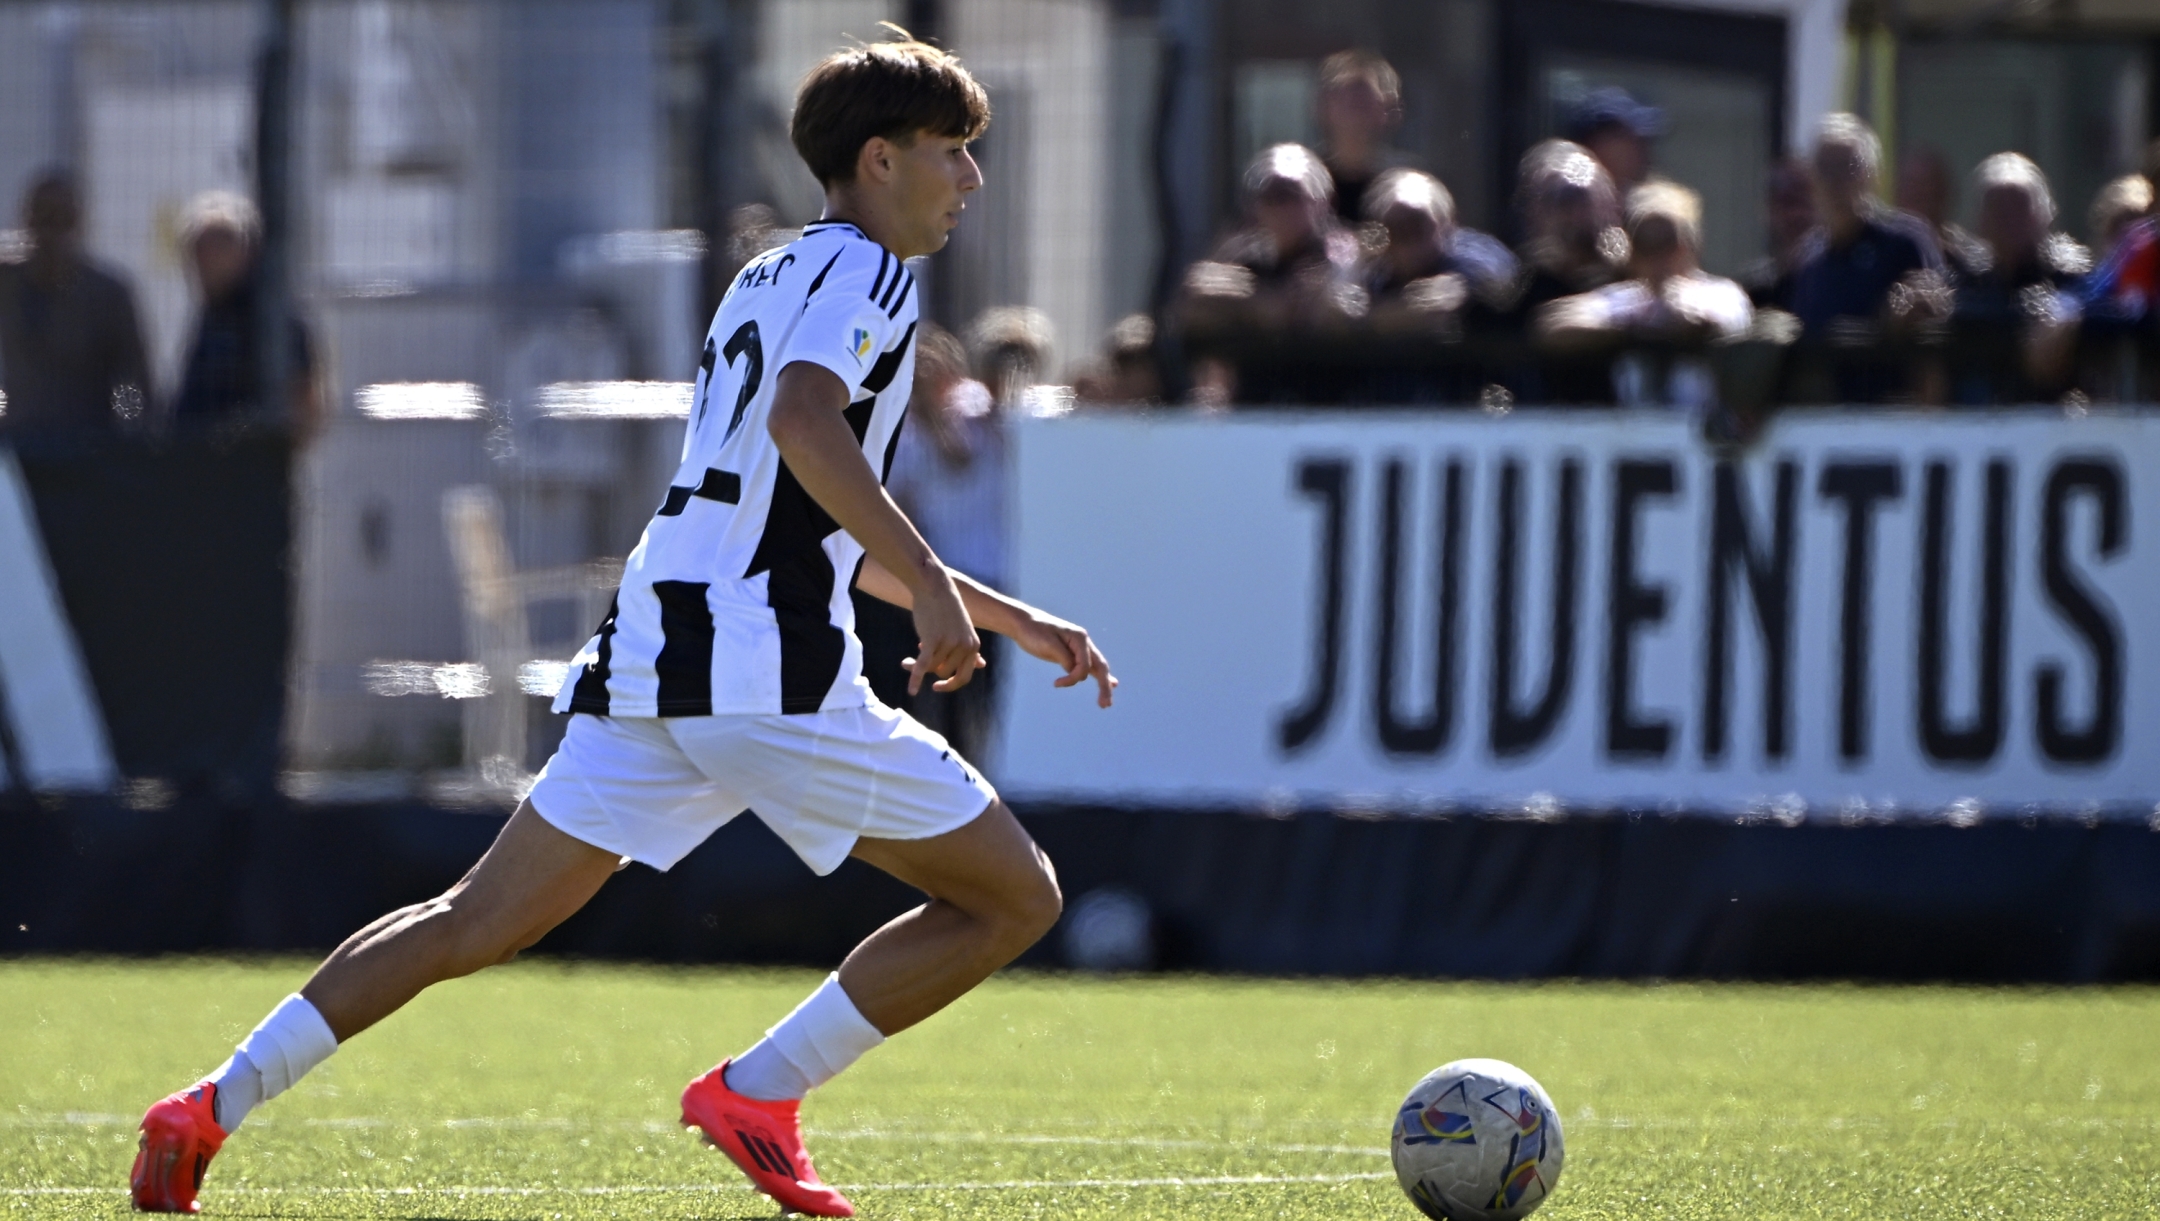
x: 1668, y: 309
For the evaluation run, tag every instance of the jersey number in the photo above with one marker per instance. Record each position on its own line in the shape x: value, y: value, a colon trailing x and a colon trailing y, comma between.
x: 745, y: 343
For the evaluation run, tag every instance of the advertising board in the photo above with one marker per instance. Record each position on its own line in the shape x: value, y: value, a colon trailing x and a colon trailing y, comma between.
x: 1865, y: 614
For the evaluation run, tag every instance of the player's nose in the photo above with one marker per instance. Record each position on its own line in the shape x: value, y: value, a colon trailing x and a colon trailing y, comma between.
x: 971, y: 177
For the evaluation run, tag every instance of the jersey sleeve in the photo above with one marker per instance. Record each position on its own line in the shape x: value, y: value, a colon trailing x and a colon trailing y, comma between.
x: 851, y: 315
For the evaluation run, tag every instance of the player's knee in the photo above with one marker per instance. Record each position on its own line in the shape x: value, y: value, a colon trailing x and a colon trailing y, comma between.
x: 1036, y: 903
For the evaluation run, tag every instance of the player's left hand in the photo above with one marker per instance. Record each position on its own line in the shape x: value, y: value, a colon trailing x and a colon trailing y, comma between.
x: 1066, y: 646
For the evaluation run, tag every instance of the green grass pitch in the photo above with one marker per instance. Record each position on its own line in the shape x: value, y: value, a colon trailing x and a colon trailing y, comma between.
x: 547, y: 1090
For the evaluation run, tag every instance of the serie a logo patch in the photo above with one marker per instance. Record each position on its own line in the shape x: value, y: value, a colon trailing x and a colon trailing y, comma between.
x: 860, y: 345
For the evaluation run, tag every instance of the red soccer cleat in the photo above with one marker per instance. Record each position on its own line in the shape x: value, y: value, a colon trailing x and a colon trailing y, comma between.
x: 765, y: 1139
x: 179, y: 1137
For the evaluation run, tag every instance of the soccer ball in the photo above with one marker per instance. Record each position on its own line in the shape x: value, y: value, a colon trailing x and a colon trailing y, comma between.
x: 1477, y: 1140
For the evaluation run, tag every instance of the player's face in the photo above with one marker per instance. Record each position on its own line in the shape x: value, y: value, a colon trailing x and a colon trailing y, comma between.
x: 932, y: 179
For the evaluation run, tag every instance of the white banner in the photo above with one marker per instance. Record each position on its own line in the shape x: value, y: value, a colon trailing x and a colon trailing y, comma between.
x: 46, y: 700
x: 1888, y: 615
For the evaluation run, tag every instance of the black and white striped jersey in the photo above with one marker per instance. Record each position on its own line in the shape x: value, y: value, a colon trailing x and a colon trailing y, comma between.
x: 736, y: 599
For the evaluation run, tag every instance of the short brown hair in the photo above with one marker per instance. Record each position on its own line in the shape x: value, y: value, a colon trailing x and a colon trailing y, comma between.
x: 894, y: 90
x: 1359, y: 65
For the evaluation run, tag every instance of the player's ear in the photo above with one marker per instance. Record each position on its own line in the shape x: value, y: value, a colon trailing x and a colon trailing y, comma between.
x: 875, y: 162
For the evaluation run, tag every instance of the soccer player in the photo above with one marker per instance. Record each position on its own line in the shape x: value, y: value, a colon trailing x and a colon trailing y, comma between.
x: 728, y: 676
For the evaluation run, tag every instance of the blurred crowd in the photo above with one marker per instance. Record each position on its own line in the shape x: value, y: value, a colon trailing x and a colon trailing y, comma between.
x: 73, y: 368
x: 1351, y: 282
x: 1348, y: 281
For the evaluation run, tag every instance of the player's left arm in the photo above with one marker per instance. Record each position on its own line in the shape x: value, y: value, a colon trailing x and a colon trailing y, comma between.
x: 1063, y: 644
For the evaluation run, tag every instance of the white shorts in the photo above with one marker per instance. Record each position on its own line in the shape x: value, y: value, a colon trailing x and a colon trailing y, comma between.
x: 652, y: 788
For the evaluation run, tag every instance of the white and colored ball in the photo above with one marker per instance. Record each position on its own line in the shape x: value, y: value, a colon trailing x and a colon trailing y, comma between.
x: 1477, y: 1140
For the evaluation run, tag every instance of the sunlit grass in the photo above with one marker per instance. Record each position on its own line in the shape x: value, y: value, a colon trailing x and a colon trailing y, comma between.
x: 548, y: 1090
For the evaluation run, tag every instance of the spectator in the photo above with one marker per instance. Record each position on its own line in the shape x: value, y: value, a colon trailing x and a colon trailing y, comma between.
x: 1009, y: 349
x: 221, y: 237
x: 1668, y: 302
x: 1868, y: 274
x: 2017, y: 215
x: 1430, y: 264
x: 2016, y: 316
x: 70, y: 348
x: 1417, y: 286
x: 1127, y: 374
x: 1360, y: 104
x: 949, y: 474
x: 1294, y: 258
x: 2122, y: 290
x: 1925, y: 188
x: 1574, y: 243
x: 1619, y: 131
x: 2118, y: 298
x: 1572, y: 220
x: 1791, y: 219
x: 1293, y: 268
x: 2118, y: 208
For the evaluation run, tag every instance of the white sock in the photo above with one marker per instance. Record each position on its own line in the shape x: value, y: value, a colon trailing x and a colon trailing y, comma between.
x: 275, y: 1055
x: 809, y: 1047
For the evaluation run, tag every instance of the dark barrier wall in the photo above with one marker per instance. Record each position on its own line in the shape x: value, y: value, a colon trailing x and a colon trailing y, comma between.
x: 1612, y: 896
x: 173, y: 563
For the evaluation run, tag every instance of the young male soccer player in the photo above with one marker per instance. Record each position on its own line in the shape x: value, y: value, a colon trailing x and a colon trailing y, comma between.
x: 728, y: 676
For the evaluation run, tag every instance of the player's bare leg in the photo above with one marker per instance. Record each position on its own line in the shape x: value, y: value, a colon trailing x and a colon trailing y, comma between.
x: 530, y: 880
x: 533, y: 878
x: 992, y: 895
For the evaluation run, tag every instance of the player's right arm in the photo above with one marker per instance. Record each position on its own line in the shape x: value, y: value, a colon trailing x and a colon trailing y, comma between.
x: 818, y: 446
